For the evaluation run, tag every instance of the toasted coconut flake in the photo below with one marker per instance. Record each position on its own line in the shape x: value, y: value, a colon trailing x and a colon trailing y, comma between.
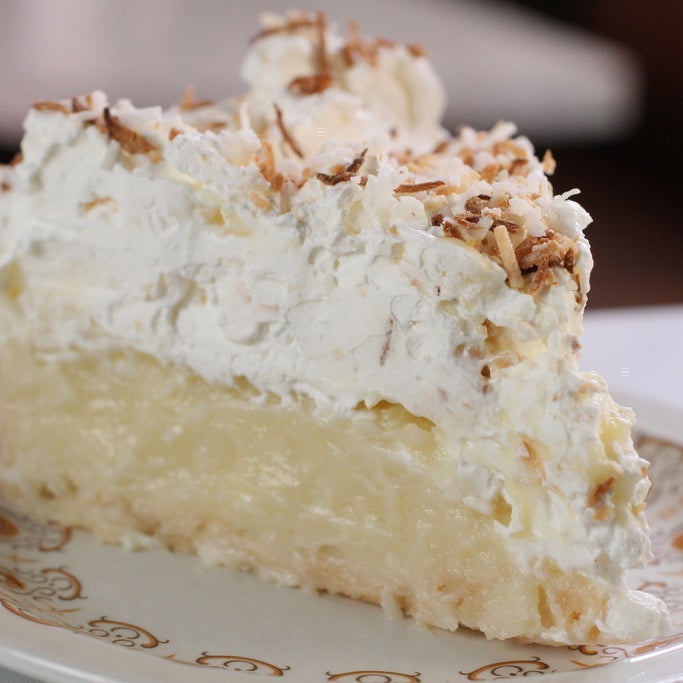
x: 489, y: 172
x: 291, y: 26
x: 217, y: 126
x: 542, y: 277
x: 286, y: 134
x: 510, y: 148
x: 268, y: 169
x: 597, y: 498
x: 352, y: 38
x: 310, y: 85
x: 334, y: 179
x: 356, y: 164
x: 467, y: 156
x: 5, y: 186
x: 523, y: 250
x: 552, y: 250
x: 98, y: 122
x: 412, y: 188
x: 569, y: 260
x: 518, y: 165
x: 190, y: 100
x: 16, y: 159
x: 548, y: 164
x: 99, y: 201
x: 46, y: 105
x: 130, y: 140
x: 357, y: 47
x: 321, y: 25
x: 322, y: 79
x: 450, y: 229
x: 267, y: 165
x: 475, y: 205
x: 383, y: 42
x: 174, y: 133
x: 78, y: 105
x: 507, y: 255
x: 465, y: 221
x: 346, y: 174
x: 510, y: 226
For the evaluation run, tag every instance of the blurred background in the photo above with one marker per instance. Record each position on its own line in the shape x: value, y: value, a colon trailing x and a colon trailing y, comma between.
x: 600, y: 82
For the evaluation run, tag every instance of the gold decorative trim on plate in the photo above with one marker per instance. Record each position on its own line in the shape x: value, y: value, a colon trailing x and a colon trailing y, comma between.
x: 374, y: 677
x: 46, y: 580
x: 511, y: 669
x: 121, y: 633
x: 247, y: 664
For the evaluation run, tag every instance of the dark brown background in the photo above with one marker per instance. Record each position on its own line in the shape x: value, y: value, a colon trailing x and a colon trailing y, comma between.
x: 631, y: 186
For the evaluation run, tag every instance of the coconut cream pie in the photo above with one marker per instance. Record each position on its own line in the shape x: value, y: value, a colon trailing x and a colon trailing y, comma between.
x: 309, y: 333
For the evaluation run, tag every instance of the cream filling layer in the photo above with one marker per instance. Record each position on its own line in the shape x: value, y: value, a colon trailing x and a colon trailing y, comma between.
x: 352, y: 503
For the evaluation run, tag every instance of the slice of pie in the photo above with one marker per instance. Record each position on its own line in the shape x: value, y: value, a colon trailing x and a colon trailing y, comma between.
x: 309, y: 333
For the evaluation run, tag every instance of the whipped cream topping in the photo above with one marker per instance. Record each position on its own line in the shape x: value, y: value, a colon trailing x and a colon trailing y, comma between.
x: 324, y: 236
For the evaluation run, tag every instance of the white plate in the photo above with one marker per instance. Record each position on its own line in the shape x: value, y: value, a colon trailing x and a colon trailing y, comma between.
x: 72, y: 610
